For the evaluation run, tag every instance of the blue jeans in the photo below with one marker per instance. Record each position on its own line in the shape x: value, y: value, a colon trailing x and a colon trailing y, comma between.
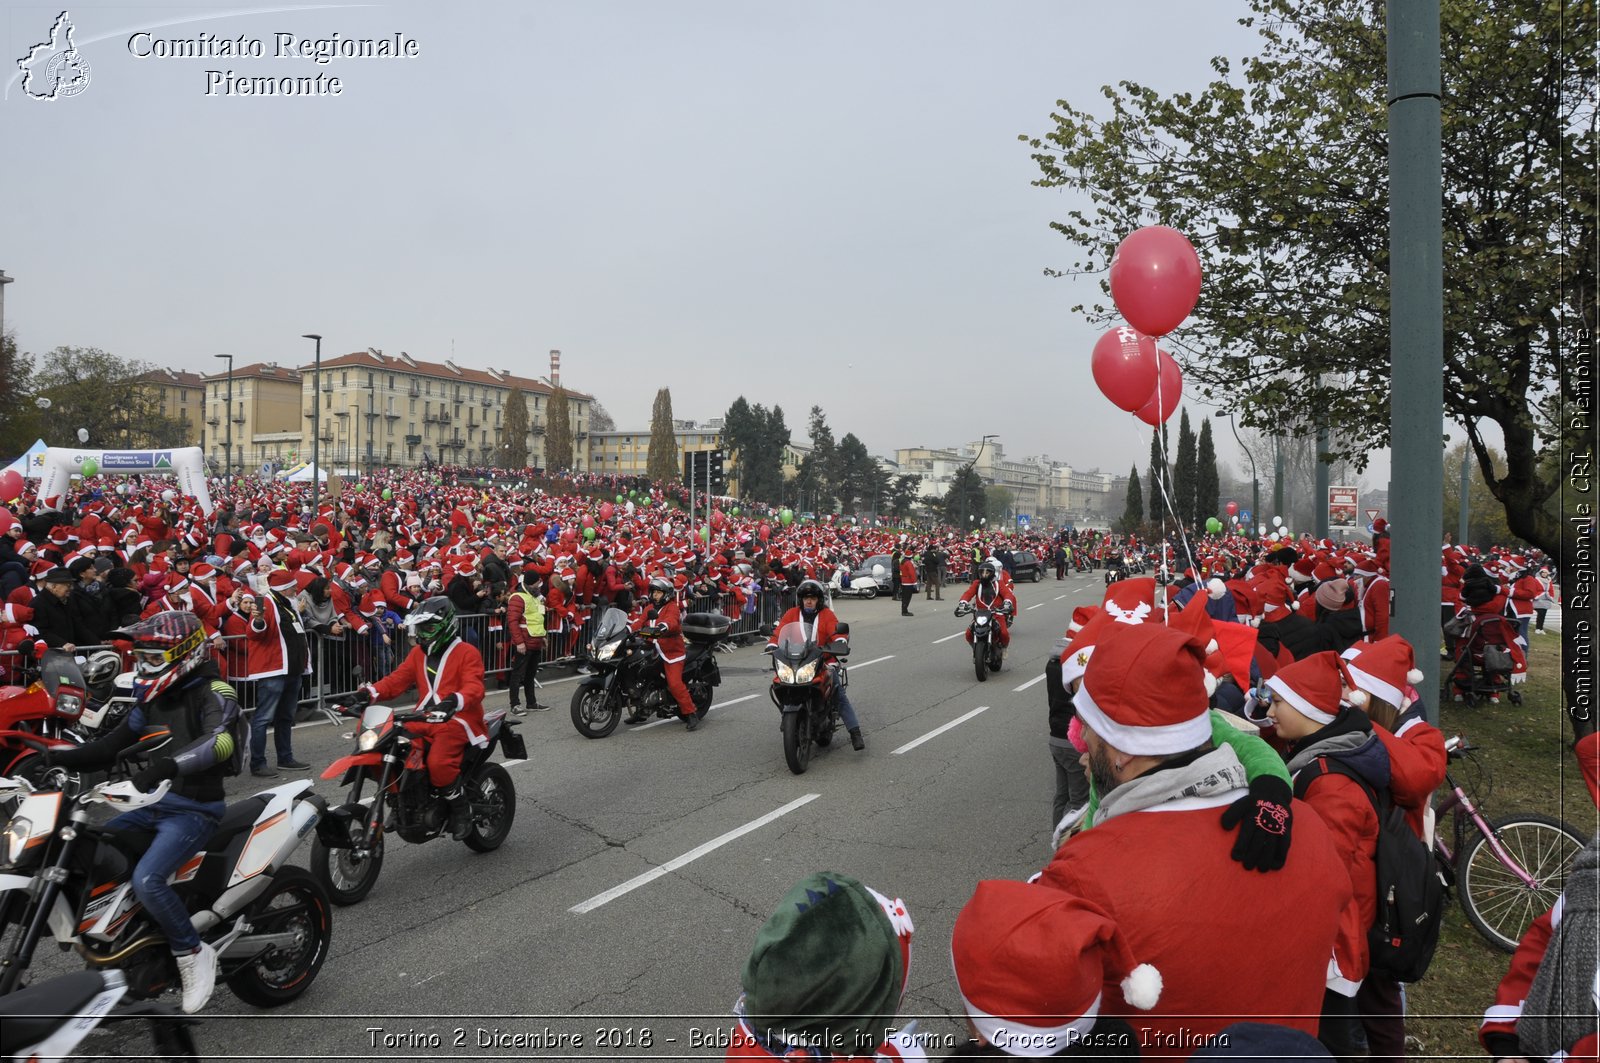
x: 275, y: 704
x: 847, y: 712
x: 182, y: 826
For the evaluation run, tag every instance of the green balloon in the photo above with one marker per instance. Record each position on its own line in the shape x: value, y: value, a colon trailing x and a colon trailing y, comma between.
x: 705, y: 532
x: 619, y: 499
x: 387, y: 494
x: 1213, y: 525
x: 588, y: 533
x: 786, y: 516
x: 90, y: 466
x: 734, y: 511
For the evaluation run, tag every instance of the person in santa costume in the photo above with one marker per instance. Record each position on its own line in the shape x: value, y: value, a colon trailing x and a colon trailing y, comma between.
x: 825, y: 977
x: 662, y: 620
x: 447, y: 673
x: 1158, y: 855
x: 988, y: 592
x: 822, y: 625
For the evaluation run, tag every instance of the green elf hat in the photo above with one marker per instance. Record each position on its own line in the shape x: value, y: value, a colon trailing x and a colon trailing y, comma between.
x: 829, y: 967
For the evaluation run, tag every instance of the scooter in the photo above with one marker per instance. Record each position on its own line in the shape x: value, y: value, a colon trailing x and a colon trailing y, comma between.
x: 864, y: 587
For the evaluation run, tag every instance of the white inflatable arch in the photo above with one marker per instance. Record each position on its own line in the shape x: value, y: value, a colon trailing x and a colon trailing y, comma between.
x: 61, y: 464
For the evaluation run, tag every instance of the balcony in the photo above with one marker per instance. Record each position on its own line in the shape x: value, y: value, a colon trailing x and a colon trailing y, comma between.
x: 214, y: 421
x: 326, y: 437
x: 238, y: 418
x: 392, y: 416
x: 415, y: 390
x: 412, y: 441
x: 327, y: 387
x: 341, y: 413
x: 487, y: 402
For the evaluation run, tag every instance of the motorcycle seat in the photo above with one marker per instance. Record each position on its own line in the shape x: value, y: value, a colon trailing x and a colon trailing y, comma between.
x: 34, y: 1013
x: 238, y: 818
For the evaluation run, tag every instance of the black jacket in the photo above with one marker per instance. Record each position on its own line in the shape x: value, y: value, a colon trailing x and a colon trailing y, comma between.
x: 91, y: 616
x: 53, y: 618
x: 1295, y: 633
x: 1342, y: 629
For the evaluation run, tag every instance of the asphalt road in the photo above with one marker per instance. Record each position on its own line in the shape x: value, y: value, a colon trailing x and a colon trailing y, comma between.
x: 623, y: 905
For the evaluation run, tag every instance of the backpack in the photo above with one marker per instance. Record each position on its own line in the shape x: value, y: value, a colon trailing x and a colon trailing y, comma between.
x: 1411, y: 888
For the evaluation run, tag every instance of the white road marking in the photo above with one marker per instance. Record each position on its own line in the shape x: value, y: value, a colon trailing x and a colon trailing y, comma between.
x: 687, y: 858
x: 1059, y: 597
x: 1026, y: 685
x: 1034, y: 606
x: 947, y: 638
x: 875, y: 660
x: 914, y: 743
x: 735, y: 701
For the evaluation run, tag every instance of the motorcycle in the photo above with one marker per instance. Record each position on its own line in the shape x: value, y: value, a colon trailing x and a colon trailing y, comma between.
x: 627, y: 673
x: 269, y: 921
x: 40, y: 715
x: 863, y: 587
x: 984, y: 635
x: 47, y: 1021
x: 805, y: 688
x: 110, y: 695
x: 348, y: 851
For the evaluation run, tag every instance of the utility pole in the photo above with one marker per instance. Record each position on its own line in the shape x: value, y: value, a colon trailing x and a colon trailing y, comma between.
x: 1416, y: 329
x: 227, y: 414
x: 316, y: 424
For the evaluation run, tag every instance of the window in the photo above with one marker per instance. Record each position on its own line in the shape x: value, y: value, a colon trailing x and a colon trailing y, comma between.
x: 391, y: 380
x: 369, y: 380
x: 413, y: 405
x: 344, y: 378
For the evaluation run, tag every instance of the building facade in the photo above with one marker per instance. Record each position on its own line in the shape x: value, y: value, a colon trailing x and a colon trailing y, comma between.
x: 177, y: 396
x: 628, y: 453
x: 260, y: 424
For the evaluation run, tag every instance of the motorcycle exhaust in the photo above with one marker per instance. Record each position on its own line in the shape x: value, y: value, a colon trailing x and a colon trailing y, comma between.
x: 94, y: 959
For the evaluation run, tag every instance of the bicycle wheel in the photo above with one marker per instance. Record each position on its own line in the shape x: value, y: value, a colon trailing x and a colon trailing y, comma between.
x: 1497, y: 902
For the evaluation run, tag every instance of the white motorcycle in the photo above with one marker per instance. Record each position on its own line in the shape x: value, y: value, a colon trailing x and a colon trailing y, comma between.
x: 864, y: 587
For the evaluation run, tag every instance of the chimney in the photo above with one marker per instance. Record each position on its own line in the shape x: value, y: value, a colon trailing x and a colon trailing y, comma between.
x: 555, y: 369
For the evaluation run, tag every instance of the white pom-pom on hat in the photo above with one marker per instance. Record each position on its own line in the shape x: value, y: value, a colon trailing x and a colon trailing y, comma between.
x: 1358, y: 698
x: 1414, y: 677
x: 1142, y: 988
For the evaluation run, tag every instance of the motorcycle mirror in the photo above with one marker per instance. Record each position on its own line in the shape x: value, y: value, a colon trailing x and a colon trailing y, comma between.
x: 842, y: 627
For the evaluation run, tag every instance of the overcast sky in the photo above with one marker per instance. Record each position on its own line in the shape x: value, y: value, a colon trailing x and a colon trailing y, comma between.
x: 810, y: 203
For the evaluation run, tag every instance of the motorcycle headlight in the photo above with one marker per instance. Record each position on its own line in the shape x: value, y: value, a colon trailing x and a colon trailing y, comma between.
x: 367, y: 740
x: 16, y: 838
x: 69, y: 704
x: 982, y: 620
x: 606, y: 652
x: 805, y: 673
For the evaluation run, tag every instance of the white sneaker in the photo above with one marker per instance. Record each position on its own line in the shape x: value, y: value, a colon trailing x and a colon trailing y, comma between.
x: 199, y: 973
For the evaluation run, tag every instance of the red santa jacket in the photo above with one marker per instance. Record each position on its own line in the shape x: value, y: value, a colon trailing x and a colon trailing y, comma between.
x: 667, y: 619
x: 349, y: 615
x: 1374, y: 605
x: 266, y: 646
x: 394, y: 592
x: 460, y: 671
x: 1417, y: 761
x: 825, y: 625
x: 1350, y: 817
x: 1523, y: 592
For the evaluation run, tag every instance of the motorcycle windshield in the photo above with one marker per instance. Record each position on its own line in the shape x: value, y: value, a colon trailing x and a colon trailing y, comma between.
x: 58, y: 670
x: 794, y: 642
x: 613, y: 625
x: 375, y: 716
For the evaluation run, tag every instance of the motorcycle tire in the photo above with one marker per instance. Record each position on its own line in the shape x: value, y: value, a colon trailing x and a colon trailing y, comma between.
x: 30, y: 767
x: 491, y: 785
x: 980, y: 663
x: 797, y: 740
x: 346, y: 878
x: 295, y: 902
x: 869, y: 594
x: 700, y: 694
x: 995, y: 660
x: 593, y: 714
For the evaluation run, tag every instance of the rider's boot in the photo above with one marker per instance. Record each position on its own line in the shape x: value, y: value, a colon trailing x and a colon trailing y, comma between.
x: 857, y: 743
x: 197, y: 971
x: 460, y: 812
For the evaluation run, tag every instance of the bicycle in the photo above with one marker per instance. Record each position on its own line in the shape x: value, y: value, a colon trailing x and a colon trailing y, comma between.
x: 1508, y: 871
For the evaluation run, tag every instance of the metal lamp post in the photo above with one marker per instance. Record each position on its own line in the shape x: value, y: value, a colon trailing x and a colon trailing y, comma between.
x: 227, y: 416
x: 316, y: 423
x: 1255, y: 482
x: 983, y: 442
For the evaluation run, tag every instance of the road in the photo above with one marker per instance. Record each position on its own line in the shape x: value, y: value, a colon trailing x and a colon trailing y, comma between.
x: 641, y: 865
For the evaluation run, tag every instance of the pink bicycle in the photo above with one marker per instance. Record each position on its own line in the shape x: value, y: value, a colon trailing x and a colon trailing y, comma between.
x: 1508, y: 871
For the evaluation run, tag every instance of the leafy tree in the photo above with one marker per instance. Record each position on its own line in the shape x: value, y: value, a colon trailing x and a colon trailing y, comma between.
x: 600, y: 419
x: 514, y: 430
x: 964, y: 499
x: 94, y: 389
x: 1133, y: 509
x: 1278, y: 172
x: 1486, y: 518
x: 662, y: 464
x: 818, y: 477
x: 558, y: 433
x: 1207, y: 480
x: 998, y: 503
x: 903, y: 494
x: 1184, y: 472
x: 755, y: 438
x: 1158, y: 477
x: 859, y: 475
x: 19, y: 418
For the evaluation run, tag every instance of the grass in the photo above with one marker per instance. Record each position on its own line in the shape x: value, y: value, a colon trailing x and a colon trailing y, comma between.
x: 1530, y: 768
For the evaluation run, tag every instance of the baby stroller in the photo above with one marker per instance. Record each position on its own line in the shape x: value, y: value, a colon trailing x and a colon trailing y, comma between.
x: 1487, y: 659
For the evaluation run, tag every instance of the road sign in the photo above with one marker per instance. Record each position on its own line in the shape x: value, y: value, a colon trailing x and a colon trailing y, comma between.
x: 1342, y: 507
x: 1372, y: 515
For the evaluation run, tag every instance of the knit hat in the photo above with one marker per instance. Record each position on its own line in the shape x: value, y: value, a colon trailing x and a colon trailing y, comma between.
x: 828, y: 967
x: 1333, y: 595
x: 1144, y: 690
x: 1031, y: 963
x: 1311, y: 686
x: 1384, y: 669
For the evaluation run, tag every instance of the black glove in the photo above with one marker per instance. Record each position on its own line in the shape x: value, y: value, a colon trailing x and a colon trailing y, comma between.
x: 1263, y: 817
x: 359, y: 699
x: 149, y: 776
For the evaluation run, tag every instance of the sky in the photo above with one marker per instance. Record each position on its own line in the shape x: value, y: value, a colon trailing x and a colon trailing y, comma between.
x: 821, y: 203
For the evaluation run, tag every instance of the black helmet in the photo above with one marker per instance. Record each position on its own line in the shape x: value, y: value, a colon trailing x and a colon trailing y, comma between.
x: 986, y: 572
x: 810, y: 588
x: 433, y: 624
x: 663, y: 584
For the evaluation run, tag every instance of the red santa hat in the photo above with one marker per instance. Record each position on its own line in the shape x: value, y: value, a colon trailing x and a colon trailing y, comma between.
x: 1275, y: 599
x: 1384, y: 669
x: 283, y: 581
x: 1303, y: 570
x: 1144, y: 690
x: 1031, y: 963
x: 1075, y: 658
x: 1131, y: 600
x: 1313, y: 685
x: 1081, y: 616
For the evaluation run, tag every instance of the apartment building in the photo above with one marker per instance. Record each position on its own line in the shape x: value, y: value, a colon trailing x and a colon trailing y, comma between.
x: 261, y: 421
x: 178, y: 396
x: 628, y: 453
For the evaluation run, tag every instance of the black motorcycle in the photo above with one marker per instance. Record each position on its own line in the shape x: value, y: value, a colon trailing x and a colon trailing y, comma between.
x: 805, y: 687
x: 628, y: 673
x: 984, y: 634
x: 49, y: 1020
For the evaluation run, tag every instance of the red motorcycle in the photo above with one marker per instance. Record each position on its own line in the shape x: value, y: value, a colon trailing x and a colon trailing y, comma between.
x: 43, y: 711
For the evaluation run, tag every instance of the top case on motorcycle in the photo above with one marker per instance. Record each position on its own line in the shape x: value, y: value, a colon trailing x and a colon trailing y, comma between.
x: 705, y: 627
x: 32, y: 1014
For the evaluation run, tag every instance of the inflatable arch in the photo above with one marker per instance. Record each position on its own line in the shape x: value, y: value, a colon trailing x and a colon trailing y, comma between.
x: 61, y: 464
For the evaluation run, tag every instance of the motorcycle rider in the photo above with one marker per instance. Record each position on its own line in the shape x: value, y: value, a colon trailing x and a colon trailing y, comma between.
x: 447, y: 672
x: 992, y: 593
x: 180, y: 691
x: 822, y: 624
x: 662, y: 619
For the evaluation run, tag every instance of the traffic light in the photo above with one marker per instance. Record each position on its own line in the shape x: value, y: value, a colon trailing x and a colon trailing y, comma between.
x: 718, y: 483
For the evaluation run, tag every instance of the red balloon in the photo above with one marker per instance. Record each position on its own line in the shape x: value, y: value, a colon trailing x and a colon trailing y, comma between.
x: 1155, y: 279
x: 1232, y: 509
x: 1169, y: 392
x: 588, y: 521
x: 606, y: 511
x: 10, y: 485
x: 1124, y: 366
x: 6, y: 520
x: 765, y: 532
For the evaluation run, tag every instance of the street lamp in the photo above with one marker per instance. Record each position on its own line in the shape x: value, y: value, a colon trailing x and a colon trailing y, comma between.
x: 1255, y: 482
x: 227, y: 415
x: 316, y: 423
x: 981, y: 444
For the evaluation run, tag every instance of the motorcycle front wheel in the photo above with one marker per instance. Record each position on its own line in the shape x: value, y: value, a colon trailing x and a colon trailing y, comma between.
x: 869, y: 593
x: 594, y: 714
x: 295, y: 904
x: 348, y: 878
x: 980, y: 664
x: 494, y: 806
x: 797, y: 741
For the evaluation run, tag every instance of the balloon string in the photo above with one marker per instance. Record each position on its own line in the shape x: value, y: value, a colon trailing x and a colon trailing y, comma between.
x: 1160, y: 444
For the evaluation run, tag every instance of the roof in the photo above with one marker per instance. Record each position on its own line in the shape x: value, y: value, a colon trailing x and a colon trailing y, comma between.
x: 404, y: 363
x: 261, y: 371
x: 172, y: 378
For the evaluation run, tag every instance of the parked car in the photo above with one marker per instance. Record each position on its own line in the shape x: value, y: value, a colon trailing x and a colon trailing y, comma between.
x: 1027, y: 566
x: 885, y: 576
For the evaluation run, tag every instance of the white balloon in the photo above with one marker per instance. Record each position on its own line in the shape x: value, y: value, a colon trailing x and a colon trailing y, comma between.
x: 1261, y: 530
x: 1277, y: 522
x: 168, y: 495
x: 83, y: 435
x: 42, y: 402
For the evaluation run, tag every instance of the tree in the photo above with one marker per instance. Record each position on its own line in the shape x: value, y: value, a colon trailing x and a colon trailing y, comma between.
x: 514, y: 430
x: 1486, y: 519
x: 859, y: 475
x: 19, y: 418
x: 1279, y: 174
x: 662, y: 464
x: 1207, y: 480
x: 600, y: 419
x: 1133, y: 509
x: 903, y: 494
x: 1184, y: 472
x: 755, y: 439
x: 818, y: 476
x: 998, y: 503
x: 1158, y: 478
x: 964, y: 500
x: 94, y: 389
x: 558, y: 433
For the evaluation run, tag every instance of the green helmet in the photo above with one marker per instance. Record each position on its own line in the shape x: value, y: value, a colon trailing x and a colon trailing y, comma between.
x: 433, y: 624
